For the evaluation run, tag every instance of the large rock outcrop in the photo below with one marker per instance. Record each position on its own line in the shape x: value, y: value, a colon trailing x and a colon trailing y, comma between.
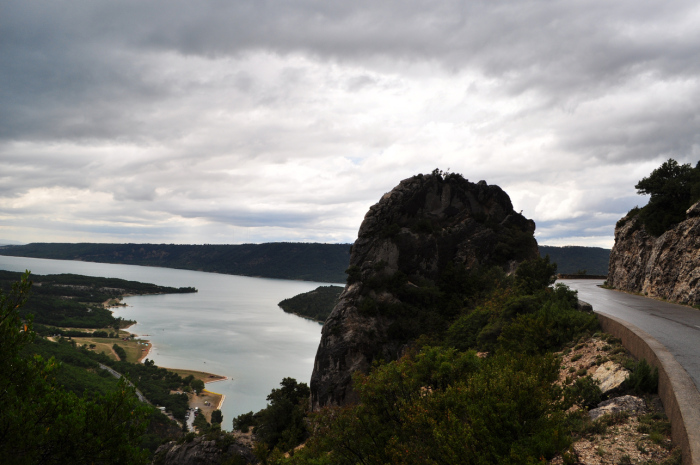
x: 667, y: 266
x: 425, y: 224
x: 204, y: 451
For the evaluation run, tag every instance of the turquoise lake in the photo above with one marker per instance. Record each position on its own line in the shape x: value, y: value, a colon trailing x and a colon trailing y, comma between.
x: 232, y: 326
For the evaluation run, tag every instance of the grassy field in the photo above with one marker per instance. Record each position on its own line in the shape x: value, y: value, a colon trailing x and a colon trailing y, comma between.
x: 204, y: 376
x: 133, y: 348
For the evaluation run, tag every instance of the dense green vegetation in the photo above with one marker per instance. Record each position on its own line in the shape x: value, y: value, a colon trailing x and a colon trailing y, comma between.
x: 79, y: 372
x: 282, y: 260
x: 672, y: 188
x: 154, y: 382
x: 41, y: 422
x: 573, y: 259
x: 316, y: 304
x: 64, y: 407
x: 441, y: 402
x: 76, y: 301
x: 121, y: 353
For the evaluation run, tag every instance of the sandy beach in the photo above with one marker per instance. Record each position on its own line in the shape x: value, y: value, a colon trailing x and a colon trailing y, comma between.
x: 144, y: 353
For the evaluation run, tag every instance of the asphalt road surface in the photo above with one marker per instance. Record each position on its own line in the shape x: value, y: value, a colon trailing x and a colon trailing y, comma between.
x: 118, y: 375
x: 675, y: 326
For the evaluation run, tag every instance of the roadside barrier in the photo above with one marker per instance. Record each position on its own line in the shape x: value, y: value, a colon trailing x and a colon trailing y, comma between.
x: 678, y: 392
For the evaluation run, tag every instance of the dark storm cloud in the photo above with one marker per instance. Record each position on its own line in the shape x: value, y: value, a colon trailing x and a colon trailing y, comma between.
x: 85, y: 70
x: 531, y: 44
x: 299, y: 113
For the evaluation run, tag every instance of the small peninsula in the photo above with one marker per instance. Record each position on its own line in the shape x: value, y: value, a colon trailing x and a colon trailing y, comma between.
x: 315, y: 305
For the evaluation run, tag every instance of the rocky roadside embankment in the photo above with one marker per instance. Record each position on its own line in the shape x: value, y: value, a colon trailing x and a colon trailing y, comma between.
x: 625, y: 428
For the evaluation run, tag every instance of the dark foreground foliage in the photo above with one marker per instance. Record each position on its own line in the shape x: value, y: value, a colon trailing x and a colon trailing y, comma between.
x: 444, y: 406
x: 282, y: 423
x: 40, y: 422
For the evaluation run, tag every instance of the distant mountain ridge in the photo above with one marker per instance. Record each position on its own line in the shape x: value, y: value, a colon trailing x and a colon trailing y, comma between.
x: 572, y: 258
x: 281, y: 260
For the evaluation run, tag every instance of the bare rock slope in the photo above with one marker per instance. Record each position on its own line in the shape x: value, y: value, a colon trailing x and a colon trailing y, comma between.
x: 667, y: 266
x: 423, y: 226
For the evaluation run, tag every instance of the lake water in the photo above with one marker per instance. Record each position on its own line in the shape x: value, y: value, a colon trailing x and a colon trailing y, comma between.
x: 232, y: 326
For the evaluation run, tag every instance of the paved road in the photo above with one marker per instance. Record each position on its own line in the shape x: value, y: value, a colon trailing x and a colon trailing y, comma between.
x: 675, y: 326
x: 118, y: 375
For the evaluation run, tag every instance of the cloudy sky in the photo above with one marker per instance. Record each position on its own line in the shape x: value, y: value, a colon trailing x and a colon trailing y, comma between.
x: 255, y: 121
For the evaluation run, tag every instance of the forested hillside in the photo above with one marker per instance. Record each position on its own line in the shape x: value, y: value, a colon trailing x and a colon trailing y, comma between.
x: 282, y: 260
x: 572, y: 259
x: 75, y: 301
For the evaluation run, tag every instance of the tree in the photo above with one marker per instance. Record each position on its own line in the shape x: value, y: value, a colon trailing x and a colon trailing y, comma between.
x: 672, y: 188
x: 121, y: 353
x: 197, y: 385
x: 281, y: 424
x: 534, y: 275
x: 217, y: 417
x: 201, y: 423
x: 42, y: 423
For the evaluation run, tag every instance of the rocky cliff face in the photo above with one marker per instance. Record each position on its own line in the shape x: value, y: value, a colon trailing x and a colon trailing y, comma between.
x: 667, y: 266
x: 410, y: 236
x: 201, y: 451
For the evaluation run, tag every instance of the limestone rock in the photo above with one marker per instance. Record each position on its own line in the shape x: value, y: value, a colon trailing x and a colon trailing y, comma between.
x: 667, y: 266
x: 201, y: 451
x: 611, y: 376
x: 630, y: 404
x: 417, y: 229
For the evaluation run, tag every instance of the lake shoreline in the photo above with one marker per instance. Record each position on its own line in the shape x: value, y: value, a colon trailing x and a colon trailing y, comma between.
x: 232, y: 326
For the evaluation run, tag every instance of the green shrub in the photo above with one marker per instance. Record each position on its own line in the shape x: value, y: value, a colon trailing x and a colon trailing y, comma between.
x: 549, y: 328
x: 354, y: 274
x: 444, y: 406
x: 463, y: 333
x: 643, y: 379
x: 584, y: 392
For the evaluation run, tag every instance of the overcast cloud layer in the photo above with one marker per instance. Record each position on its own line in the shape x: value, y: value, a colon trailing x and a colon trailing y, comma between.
x: 256, y: 121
